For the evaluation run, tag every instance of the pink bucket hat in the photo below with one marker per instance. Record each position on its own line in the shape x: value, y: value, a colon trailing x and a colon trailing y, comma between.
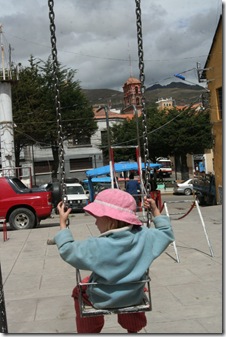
x: 115, y: 204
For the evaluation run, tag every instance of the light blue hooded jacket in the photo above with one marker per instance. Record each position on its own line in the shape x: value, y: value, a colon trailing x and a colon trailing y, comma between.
x: 117, y: 258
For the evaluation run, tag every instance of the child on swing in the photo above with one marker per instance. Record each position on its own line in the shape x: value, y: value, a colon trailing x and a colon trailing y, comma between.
x: 122, y: 253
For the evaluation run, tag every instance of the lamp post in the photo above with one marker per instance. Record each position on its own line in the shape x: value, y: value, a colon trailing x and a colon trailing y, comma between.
x: 138, y: 144
x: 106, y: 109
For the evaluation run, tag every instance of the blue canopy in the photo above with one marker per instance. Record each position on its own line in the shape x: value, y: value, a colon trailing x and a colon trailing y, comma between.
x: 119, y: 167
x: 99, y: 180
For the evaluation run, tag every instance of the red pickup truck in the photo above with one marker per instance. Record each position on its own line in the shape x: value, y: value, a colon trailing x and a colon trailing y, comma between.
x: 23, y: 207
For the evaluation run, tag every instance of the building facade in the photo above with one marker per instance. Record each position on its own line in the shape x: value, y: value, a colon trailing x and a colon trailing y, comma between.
x: 165, y: 103
x: 78, y: 158
x: 212, y: 73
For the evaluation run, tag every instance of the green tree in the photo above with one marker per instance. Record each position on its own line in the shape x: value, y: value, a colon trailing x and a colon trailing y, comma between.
x: 76, y: 113
x: 173, y: 133
x: 26, y: 110
x: 124, y: 134
x: 184, y: 132
x: 36, y: 99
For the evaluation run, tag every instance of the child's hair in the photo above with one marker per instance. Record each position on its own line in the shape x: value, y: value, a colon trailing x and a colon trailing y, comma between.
x: 114, y: 224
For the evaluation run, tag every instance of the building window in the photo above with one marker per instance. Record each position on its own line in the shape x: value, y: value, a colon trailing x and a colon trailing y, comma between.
x: 80, y: 142
x: 81, y: 163
x: 136, y: 90
x: 219, y: 102
x: 137, y: 101
x: 43, y: 166
x: 104, y: 138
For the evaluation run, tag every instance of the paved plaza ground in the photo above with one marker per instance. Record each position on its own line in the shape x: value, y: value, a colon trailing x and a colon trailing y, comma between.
x: 186, y: 296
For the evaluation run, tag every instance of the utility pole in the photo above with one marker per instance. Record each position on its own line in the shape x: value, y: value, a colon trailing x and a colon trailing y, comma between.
x: 6, y: 117
x: 7, y: 144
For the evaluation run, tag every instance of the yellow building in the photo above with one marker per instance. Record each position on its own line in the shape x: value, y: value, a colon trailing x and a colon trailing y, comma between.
x: 212, y: 72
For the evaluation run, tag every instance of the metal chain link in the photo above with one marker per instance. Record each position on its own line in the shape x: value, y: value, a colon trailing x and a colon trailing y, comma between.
x: 57, y: 99
x: 144, y: 114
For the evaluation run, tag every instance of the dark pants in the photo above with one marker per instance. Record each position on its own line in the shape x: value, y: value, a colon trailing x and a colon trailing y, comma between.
x: 137, y: 199
x: 133, y: 322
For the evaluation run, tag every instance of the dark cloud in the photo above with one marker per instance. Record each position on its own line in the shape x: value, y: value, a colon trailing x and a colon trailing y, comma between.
x: 99, y: 38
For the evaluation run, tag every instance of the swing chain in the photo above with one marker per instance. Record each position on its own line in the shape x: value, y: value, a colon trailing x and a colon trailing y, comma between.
x: 144, y: 114
x: 57, y: 99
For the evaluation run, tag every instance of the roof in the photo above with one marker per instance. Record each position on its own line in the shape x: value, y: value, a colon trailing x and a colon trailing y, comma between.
x: 132, y: 80
x: 203, y: 76
x: 118, y: 167
x: 100, y: 114
x: 99, y: 180
x: 193, y: 106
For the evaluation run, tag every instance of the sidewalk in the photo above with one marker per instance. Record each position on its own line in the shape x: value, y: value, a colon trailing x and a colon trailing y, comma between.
x: 167, y: 190
x: 186, y: 296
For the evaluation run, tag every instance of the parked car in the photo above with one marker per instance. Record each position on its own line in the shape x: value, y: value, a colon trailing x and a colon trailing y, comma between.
x: 184, y: 187
x: 76, y: 195
x: 205, y: 190
x: 23, y: 207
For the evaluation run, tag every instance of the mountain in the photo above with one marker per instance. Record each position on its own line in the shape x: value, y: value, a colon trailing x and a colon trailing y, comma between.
x: 178, y: 85
x: 103, y: 96
x: 182, y: 94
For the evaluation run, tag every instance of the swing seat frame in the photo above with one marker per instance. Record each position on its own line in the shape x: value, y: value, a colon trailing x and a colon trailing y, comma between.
x: 87, y: 310
x: 146, y: 305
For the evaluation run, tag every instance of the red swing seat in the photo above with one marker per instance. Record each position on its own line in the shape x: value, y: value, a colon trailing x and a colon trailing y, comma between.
x: 87, y: 310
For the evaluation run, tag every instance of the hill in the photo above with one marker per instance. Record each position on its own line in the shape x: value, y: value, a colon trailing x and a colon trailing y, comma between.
x: 182, y: 94
x: 103, y: 96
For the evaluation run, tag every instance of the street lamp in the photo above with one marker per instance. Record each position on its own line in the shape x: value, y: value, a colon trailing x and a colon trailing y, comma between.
x: 106, y: 109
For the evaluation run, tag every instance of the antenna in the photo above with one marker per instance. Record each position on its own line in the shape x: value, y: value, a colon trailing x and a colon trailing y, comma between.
x: 7, y: 73
x: 2, y: 54
x: 130, y: 63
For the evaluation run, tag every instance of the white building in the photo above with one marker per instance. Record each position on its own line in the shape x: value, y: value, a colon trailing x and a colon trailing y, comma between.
x: 78, y: 158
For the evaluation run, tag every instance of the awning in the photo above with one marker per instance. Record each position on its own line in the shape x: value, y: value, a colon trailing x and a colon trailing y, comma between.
x: 119, y: 167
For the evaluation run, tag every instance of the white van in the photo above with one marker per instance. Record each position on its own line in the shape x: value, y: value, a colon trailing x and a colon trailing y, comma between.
x: 166, y: 168
x: 76, y: 196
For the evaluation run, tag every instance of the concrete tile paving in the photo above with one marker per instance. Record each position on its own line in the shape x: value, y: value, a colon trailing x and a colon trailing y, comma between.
x: 186, y: 296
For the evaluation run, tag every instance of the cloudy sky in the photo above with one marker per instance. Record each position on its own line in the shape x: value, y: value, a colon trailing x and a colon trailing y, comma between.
x: 98, y: 38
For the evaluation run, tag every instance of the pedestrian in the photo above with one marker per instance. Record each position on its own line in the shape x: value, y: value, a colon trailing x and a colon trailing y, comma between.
x: 160, y: 175
x: 153, y: 184
x: 153, y: 187
x: 122, y: 253
x: 133, y: 187
x: 155, y: 175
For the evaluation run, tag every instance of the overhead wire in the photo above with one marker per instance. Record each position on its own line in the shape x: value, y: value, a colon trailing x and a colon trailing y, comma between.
x: 105, y: 57
x: 167, y: 78
x: 122, y: 143
x: 118, y: 144
x: 160, y: 127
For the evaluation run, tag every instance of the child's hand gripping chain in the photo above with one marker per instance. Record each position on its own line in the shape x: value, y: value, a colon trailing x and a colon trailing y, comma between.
x: 64, y: 213
x: 151, y: 205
